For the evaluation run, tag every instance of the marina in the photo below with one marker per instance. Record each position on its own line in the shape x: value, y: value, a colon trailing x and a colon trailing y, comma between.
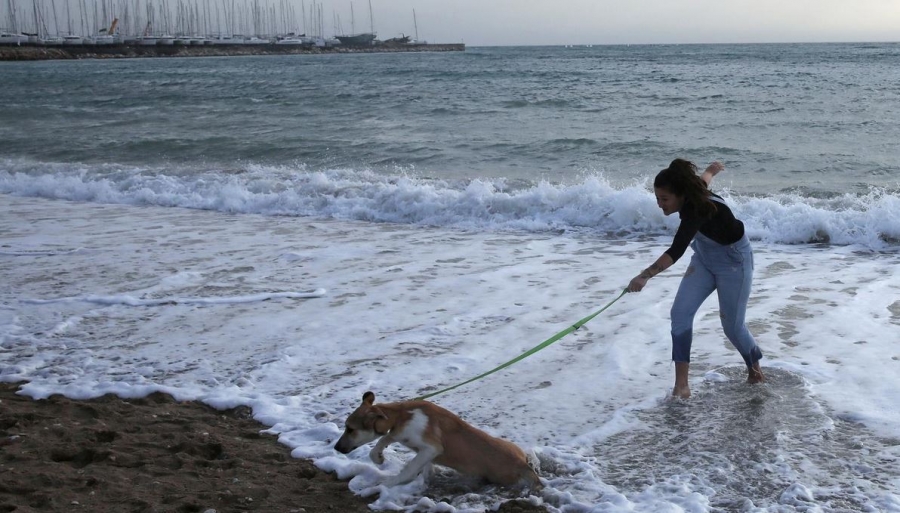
x: 125, y: 28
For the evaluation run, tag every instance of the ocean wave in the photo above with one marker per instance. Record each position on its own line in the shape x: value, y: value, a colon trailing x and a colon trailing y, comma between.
x: 870, y: 220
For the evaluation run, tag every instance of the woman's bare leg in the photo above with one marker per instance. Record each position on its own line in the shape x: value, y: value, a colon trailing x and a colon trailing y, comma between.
x: 682, y: 390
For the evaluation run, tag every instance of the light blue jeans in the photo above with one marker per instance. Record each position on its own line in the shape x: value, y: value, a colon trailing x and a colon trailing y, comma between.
x: 728, y: 270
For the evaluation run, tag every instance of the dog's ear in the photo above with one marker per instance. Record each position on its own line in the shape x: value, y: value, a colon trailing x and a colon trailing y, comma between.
x: 369, y: 398
x: 373, y: 416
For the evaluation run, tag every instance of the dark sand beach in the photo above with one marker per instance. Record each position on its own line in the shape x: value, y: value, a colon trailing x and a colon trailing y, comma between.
x: 155, y: 454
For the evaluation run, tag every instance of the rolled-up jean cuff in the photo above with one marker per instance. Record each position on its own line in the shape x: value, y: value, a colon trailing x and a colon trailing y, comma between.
x: 754, y: 356
x: 681, y: 346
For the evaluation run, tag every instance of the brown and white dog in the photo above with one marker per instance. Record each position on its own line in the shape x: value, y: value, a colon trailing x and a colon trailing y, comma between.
x: 437, y: 436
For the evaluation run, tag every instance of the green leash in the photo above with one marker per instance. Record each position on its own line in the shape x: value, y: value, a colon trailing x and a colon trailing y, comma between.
x: 531, y: 351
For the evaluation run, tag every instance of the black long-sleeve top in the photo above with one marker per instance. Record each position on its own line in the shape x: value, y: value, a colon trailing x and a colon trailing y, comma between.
x: 722, y: 227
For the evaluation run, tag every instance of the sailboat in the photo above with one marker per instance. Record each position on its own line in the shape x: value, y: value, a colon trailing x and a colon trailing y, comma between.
x: 13, y: 37
x: 71, y: 39
x: 361, y: 39
x: 402, y: 40
x: 8, y: 38
x: 105, y: 36
x: 40, y: 21
x: 356, y: 39
x: 416, y: 41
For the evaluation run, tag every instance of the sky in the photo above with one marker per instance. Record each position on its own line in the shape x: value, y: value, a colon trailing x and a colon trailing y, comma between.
x: 560, y: 22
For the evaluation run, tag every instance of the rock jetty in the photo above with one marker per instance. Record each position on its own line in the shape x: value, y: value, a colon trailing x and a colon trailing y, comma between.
x: 37, y: 52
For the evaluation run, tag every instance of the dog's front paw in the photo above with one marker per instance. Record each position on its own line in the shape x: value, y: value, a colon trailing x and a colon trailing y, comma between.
x: 376, y: 456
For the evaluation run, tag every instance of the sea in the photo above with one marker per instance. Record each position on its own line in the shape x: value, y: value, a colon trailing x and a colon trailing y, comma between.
x: 289, y: 232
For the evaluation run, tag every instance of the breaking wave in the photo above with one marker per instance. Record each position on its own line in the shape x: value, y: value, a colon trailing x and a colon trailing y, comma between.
x: 870, y: 220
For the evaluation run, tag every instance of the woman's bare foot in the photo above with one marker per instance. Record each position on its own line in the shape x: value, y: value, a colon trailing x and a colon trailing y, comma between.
x: 681, y: 392
x: 755, y: 375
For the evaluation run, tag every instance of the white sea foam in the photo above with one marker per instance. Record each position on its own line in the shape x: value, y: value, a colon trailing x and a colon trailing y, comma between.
x: 181, y: 308
x: 133, y: 301
x: 42, y: 252
x: 870, y: 221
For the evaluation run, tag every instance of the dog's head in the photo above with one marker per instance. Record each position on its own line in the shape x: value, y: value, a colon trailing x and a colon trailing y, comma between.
x: 365, y: 424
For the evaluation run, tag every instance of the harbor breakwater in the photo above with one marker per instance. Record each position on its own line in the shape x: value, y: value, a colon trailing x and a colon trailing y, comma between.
x: 38, y: 52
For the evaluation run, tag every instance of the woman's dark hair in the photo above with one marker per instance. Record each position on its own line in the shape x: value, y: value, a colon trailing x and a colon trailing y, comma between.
x: 681, y: 179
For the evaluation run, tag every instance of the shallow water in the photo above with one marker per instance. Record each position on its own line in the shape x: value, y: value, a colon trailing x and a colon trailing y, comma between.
x: 106, y: 298
x: 287, y: 233
x: 754, y: 446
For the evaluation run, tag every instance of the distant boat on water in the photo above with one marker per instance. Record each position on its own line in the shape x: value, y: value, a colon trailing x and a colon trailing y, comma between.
x: 357, y: 39
x: 294, y: 39
x: 402, y: 40
x: 7, y: 38
x: 104, y: 39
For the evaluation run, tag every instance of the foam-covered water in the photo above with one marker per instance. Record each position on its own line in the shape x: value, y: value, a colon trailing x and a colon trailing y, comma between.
x: 870, y: 220
x: 289, y: 232
x: 298, y: 317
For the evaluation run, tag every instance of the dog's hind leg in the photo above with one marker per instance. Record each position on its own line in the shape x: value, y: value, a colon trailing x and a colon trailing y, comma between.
x: 426, y: 472
x: 416, y: 465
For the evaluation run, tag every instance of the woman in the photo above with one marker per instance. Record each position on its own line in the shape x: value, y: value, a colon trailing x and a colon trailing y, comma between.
x: 722, y: 261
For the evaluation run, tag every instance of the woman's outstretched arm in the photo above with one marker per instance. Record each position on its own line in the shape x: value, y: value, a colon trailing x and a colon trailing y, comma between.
x: 711, y: 171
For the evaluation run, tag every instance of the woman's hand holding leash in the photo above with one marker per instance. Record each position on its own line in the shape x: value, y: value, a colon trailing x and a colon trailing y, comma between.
x: 636, y: 284
x: 640, y: 281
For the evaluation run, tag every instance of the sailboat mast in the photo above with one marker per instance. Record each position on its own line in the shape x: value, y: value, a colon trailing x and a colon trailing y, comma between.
x: 416, y: 25
x: 371, y: 19
x: 37, y: 23
x: 55, y: 18
x: 83, y: 8
x: 12, y: 18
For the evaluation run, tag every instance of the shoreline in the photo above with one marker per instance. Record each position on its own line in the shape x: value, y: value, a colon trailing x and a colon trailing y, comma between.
x: 155, y: 453
x: 122, y: 51
x: 151, y: 454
